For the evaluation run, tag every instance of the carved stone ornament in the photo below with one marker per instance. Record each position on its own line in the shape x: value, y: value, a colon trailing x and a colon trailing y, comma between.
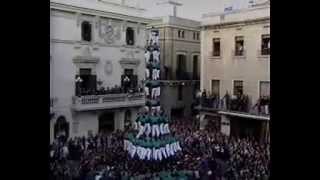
x: 109, y: 33
x: 130, y: 55
x: 108, y: 68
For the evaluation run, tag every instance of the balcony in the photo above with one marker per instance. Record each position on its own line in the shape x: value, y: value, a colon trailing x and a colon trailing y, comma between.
x: 264, y: 53
x: 183, y: 75
x: 237, y: 54
x: 214, y: 55
x: 107, y: 101
x: 236, y: 107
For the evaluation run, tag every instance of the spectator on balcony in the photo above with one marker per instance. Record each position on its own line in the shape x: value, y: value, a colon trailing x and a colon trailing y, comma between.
x: 226, y: 101
x: 203, y: 97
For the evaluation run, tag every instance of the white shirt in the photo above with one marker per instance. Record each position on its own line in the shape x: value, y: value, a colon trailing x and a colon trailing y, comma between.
x: 147, y: 56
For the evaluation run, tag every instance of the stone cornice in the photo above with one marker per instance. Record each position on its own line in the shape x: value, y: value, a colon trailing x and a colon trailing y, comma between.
x: 158, y: 26
x: 174, y: 83
x: 94, y: 12
x: 79, y: 43
x: 129, y: 62
x: 86, y: 59
x: 236, y: 23
x: 181, y: 40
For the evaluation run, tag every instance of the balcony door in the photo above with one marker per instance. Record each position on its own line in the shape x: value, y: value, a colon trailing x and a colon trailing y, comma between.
x: 215, y: 87
x: 181, y: 67
x: 133, y: 79
x: 106, y: 122
x: 195, y: 68
x: 89, y: 81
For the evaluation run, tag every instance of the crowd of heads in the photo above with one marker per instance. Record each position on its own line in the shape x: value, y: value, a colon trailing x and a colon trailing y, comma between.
x: 206, y: 154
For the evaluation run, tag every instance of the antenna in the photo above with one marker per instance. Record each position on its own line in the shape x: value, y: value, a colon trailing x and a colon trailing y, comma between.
x: 173, y: 3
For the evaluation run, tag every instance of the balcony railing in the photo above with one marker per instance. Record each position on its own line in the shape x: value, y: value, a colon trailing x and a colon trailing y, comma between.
x: 215, y: 54
x: 235, y: 105
x: 183, y: 75
x: 108, y: 101
x: 239, y: 54
x: 265, y: 52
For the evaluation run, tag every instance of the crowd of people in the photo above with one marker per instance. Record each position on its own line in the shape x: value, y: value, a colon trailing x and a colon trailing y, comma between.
x: 111, y: 90
x: 238, y: 102
x: 206, y: 154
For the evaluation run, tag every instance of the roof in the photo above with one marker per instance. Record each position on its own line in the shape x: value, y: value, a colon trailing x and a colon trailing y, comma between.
x: 103, y: 5
x: 257, y: 11
x: 175, y: 21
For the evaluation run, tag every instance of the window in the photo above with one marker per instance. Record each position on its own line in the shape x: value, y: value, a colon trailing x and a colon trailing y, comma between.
x: 237, y: 87
x: 194, y: 35
x: 182, y: 34
x: 264, y: 89
x: 86, y: 31
x: 195, y: 68
x: 180, y: 88
x: 179, y: 33
x: 181, y: 67
x: 130, y: 36
x: 198, y: 36
x: 215, y: 87
x: 88, y: 83
x: 239, y: 42
x: 265, y: 44
x: 132, y: 82
x: 216, y: 46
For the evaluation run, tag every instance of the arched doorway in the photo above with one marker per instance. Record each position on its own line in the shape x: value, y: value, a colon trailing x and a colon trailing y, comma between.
x: 127, y: 119
x: 195, y: 68
x: 106, y: 122
x: 61, y: 127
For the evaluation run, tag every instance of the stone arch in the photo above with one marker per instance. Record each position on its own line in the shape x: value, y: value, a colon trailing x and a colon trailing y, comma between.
x: 61, y: 127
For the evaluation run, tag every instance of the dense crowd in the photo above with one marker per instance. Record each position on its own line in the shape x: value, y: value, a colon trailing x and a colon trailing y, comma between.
x: 206, y: 154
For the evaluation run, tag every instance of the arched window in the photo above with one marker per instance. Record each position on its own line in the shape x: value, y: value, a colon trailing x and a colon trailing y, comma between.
x: 86, y: 31
x: 130, y: 36
x: 61, y: 127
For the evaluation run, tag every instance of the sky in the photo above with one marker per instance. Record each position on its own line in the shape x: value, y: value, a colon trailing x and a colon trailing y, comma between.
x: 191, y: 9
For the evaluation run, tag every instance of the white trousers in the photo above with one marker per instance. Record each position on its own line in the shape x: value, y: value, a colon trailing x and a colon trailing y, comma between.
x: 146, y: 90
x: 155, y: 130
x: 147, y: 73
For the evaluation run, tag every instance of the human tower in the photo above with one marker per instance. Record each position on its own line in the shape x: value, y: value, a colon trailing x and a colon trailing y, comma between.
x: 151, y: 139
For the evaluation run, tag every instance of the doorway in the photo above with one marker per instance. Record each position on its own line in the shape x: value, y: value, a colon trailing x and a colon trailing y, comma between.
x: 177, y: 113
x: 215, y: 87
x: 244, y: 127
x: 106, y: 122
x: 195, y: 68
x: 61, y: 127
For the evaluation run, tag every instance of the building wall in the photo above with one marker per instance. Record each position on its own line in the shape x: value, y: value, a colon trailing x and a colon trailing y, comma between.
x: 66, y: 44
x: 171, y: 45
x: 169, y: 98
x: 251, y: 70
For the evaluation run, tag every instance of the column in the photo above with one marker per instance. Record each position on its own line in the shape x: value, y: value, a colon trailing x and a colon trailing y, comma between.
x: 225, y: 125
x: 203, y: 121
x: 119, y: 120
x: 51, y: 130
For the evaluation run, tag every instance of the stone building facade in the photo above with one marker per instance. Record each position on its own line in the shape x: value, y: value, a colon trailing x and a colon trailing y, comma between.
x: 180, y: 63
x: 94, y: 46
x: 235, y: 58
